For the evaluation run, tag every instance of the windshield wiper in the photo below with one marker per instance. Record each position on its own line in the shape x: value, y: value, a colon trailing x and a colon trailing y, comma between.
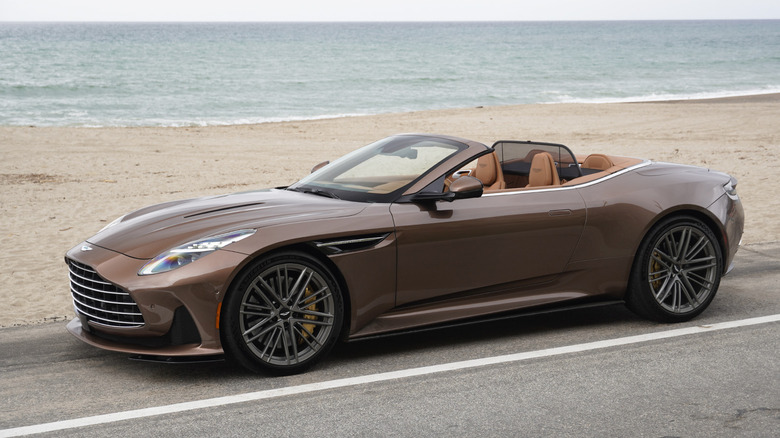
x: 317, y: 192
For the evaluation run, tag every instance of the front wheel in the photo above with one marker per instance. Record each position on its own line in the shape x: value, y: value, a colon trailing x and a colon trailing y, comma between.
x: 283, y: 314
x: 676, y: 272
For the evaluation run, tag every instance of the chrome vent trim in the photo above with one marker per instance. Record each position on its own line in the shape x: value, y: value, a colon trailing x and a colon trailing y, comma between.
x: 101, y: 301
x: 354, y: 243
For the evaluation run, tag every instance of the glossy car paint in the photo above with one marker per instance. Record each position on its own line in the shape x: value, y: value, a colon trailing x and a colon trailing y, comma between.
x: 440, y: 261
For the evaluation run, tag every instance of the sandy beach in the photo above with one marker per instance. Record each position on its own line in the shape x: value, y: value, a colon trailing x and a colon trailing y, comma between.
x: 61, y: 185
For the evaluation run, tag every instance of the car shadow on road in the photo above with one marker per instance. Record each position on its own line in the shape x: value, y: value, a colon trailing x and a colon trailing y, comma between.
x: 518, y: 328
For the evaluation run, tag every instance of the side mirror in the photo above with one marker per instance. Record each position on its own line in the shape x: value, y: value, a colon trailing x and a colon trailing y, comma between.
x: 466, y: 187
x: 462, y: 188
x: 319, y: 166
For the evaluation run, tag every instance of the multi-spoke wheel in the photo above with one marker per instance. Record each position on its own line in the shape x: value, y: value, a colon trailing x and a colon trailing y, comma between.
x: 282, y: 315
x: 676, y: 272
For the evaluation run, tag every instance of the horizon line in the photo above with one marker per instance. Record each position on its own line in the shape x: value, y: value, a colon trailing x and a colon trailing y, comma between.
x: 396, y: 21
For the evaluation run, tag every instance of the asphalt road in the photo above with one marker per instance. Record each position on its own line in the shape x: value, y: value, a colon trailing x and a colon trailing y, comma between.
x: 715, y: 383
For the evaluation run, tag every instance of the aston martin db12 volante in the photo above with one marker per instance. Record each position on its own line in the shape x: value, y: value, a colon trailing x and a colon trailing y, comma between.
x: 413, y: 230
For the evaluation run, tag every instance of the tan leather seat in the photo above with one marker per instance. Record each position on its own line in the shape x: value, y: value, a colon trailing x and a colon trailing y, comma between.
x: 597, y: 161
x: 543, y: 171
x: 488, y: 171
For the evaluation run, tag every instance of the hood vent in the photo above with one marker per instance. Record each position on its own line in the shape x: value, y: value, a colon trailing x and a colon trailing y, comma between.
x: 232, y: 207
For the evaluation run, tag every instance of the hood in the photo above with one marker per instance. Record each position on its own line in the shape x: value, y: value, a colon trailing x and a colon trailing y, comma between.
x: 147, y: 232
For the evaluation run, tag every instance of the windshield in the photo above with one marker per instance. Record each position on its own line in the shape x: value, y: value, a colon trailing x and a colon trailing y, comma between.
x: 379, y: 171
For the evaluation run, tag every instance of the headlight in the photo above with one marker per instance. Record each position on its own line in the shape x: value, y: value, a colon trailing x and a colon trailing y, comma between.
x: 189, y: 252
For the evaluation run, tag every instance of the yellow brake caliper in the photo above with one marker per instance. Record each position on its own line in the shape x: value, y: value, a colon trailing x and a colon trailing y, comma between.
x: 655, y: 279
x: 308, y: 328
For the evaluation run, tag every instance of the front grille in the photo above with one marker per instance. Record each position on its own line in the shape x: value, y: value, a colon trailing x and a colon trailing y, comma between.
x: 101, y: 301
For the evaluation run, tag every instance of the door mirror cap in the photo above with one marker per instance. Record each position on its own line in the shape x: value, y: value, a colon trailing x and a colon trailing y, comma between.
x: 462, y: 188
x: 466, y: 187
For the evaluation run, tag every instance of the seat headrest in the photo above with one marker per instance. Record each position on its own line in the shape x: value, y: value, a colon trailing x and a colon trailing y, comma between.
x: 486, y: 169
x: 597, y: 161
x: 543, y: 171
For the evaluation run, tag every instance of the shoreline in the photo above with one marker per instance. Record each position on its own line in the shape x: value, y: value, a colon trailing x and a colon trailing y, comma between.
x: 62, y: 184
x: 746, y: 98
x: 743, y: 98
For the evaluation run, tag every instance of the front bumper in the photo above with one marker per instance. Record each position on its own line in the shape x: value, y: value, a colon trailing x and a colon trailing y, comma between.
x: 77, y: 329
x: 179, y: 307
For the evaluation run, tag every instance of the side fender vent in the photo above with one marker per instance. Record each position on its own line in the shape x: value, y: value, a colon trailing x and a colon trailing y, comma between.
x: 350, y: 243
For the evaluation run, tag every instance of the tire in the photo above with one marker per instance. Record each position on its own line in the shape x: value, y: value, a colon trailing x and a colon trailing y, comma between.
x: 676, y: 272
x: 282, y: 315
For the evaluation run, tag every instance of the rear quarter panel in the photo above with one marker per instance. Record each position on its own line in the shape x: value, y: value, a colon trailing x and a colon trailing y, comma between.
x: 622, y: 209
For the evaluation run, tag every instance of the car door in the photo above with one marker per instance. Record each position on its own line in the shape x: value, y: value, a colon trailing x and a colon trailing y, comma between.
x: 495, y: 243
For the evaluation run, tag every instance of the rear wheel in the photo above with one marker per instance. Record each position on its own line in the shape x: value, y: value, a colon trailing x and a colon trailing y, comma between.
x: 676, y: 272
x: 283, y: 315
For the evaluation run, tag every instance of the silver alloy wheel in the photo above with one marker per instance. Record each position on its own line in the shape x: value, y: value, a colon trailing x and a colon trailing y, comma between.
x: 682, y: 269
x: 286, y: 314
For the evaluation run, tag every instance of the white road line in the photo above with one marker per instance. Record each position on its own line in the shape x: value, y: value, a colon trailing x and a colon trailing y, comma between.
x: 373, y: 378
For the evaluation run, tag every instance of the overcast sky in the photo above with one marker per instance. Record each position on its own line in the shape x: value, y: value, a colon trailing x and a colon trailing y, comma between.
x: 383, y: 10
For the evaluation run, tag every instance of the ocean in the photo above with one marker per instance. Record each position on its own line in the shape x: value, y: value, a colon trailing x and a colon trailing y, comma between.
x: 197, y: 74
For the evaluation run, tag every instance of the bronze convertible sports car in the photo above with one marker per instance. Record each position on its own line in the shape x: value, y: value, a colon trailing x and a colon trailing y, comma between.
x: 413, y: 230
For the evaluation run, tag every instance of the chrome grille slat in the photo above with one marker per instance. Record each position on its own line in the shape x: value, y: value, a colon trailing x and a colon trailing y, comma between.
x: 70, y: 269
x: 104, y: 302
x: 111, y: 322
x: 97, y: 290
x: 101, y: 301
x: 104, y: 310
